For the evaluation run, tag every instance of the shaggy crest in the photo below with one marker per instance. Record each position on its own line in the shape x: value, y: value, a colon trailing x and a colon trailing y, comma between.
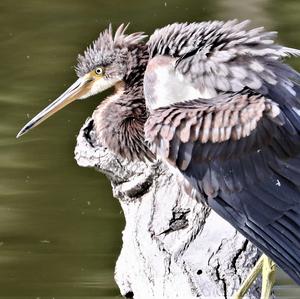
x: 106, y: 48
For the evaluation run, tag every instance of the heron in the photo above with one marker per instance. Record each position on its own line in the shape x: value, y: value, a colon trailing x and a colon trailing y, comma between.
x: 215, y: 102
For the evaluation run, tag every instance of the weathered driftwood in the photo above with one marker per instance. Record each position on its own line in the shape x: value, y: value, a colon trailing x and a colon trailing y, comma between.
x: 173, y: 247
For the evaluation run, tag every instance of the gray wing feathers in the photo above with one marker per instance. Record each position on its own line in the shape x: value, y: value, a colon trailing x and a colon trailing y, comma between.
x: 229, y: 116
x: 222, y: 55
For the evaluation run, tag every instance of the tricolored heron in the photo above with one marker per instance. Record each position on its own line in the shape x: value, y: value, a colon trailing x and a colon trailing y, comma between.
x: 215, y: 101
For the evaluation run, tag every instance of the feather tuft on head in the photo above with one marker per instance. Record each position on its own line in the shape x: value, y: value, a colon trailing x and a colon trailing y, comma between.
x: 106, y: 47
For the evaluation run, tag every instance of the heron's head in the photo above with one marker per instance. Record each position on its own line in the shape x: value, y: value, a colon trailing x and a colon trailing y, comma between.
x: 104, y: 64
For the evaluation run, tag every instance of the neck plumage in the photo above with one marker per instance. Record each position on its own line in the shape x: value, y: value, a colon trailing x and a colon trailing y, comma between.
x: 119, y: 120
x: 136, y: 66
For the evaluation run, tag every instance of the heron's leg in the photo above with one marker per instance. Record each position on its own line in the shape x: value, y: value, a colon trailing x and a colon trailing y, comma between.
x: 255, y: 271
x: 264, y: 266
x: 268, y: 277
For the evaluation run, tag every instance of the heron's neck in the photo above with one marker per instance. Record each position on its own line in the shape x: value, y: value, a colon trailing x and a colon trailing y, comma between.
x: 136, y: 66
x: 119, y: 120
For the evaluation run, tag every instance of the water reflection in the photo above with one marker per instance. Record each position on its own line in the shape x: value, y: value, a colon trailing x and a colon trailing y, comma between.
x: 60, y: 229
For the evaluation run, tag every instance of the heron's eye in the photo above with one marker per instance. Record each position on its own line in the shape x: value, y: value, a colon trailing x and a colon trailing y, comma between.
x: 99, y: 71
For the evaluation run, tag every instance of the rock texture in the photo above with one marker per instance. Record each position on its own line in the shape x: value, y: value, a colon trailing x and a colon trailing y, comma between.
x: 173, y: 246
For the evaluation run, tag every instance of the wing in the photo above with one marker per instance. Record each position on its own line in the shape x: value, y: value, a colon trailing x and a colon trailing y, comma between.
x: 238, y: 145
x: 226, y: 56
x: 241, y: 152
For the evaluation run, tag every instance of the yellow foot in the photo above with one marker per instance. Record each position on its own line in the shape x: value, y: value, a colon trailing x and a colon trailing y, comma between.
x: 267, y: 268
x: 268, y: 277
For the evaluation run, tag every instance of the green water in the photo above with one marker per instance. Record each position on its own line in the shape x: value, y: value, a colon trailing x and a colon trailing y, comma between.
x: 60, y: 228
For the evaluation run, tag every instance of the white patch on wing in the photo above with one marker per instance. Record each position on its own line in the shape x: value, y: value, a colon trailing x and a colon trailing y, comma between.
x: 172, y: 87
x: 278, y: 183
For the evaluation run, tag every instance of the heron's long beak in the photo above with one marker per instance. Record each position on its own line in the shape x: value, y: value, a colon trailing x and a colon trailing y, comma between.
x: 77, y: 90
